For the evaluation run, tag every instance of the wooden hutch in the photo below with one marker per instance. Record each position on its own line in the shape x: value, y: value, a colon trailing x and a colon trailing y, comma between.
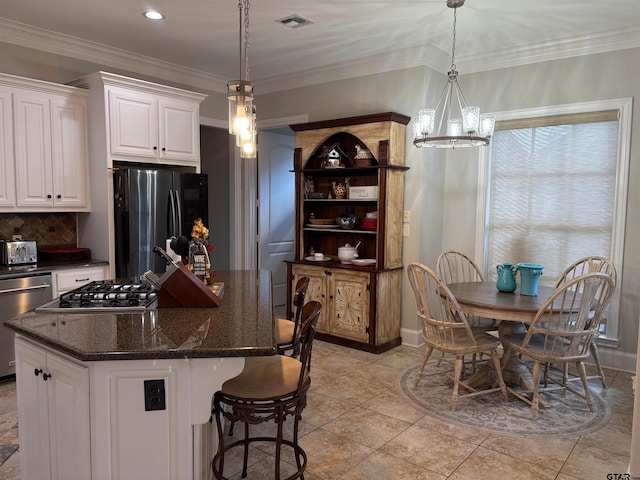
x: 361, y: 301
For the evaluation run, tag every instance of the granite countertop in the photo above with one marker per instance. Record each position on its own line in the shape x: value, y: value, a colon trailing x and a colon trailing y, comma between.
x: 42, y: 267
x: 243, y: 325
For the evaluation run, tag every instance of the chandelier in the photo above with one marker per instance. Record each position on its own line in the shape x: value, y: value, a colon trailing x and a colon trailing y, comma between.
x: 242, y: 111
x: 459, y: 124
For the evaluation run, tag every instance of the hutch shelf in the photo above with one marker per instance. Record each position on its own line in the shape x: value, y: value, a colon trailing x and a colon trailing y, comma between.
x: 351, y: 168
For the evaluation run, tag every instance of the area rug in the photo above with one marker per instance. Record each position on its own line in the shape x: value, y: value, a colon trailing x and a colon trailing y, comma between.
x: 568, y: 415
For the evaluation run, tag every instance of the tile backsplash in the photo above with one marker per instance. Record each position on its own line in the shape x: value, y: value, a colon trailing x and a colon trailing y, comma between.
x: 48, y: 229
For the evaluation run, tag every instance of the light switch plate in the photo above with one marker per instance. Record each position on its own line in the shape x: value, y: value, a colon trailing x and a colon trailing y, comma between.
x: 406, y: 216
x: 405, y: 230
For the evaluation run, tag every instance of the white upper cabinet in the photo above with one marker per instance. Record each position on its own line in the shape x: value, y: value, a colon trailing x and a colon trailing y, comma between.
x: 43, y: 146
x: 153, y: 128
x: 179, y: 130
x: 160, y: 129
x: 133, y: 123
x: 7, y: 172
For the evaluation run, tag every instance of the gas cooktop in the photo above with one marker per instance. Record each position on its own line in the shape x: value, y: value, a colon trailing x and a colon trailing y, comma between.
x: 104, y: 296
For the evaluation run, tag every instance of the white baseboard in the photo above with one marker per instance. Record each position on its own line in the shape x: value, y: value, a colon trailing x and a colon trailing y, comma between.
x: 615, y: 360
x: 609, y: 358
x: 412, y: 338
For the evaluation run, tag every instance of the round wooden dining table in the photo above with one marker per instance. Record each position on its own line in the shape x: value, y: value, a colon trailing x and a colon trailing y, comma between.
x: 483, y: 299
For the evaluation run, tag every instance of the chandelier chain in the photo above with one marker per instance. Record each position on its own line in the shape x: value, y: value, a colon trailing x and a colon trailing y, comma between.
x: 453, y: 49
x: 246, y: 38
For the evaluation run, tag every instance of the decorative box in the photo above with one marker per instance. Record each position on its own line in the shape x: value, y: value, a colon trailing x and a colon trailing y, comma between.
x: 364, y: 193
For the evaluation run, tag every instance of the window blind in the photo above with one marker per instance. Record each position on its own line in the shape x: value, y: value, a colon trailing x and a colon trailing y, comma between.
x: 552, y: 190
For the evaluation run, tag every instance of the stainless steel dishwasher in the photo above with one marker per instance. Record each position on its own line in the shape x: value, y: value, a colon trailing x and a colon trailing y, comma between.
x: 18, y: 294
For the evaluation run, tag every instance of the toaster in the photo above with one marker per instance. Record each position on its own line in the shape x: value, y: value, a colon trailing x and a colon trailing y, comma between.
x: 18, y: 252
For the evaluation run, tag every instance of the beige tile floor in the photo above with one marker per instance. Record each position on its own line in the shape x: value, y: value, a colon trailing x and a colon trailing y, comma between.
x: 356, y: 427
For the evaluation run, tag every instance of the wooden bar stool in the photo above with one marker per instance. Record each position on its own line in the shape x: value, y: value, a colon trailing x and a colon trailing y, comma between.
x: 269, y: 388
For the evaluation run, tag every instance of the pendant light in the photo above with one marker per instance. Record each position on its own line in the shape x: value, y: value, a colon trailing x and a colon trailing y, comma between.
x: 242, y: 111
x: 459, y: 124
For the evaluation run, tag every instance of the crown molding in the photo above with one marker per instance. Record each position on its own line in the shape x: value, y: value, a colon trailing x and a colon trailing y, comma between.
x: 396, y: 60
x: 602, y: 42
x: 66, y: 45
x: 424, y: 56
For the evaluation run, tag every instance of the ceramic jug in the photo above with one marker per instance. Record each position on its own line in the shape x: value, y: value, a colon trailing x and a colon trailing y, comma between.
x: 506, y: 277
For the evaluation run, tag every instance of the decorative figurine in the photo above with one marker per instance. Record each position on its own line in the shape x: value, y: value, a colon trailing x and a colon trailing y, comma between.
x: 333, y: 156
x: 199, y: 262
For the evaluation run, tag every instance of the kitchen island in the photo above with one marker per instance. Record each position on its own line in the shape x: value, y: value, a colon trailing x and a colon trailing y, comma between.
x: 128, y: 395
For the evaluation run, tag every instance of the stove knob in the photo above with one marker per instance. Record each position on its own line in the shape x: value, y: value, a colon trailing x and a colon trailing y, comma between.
x: 114, y: 303
x: 85, y: 302
x: 65, y: 304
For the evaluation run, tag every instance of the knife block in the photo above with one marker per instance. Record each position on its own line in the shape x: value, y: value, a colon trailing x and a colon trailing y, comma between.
x: 183, y: 289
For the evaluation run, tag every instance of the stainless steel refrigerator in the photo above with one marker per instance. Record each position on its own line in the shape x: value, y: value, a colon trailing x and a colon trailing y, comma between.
x: 151, y: 206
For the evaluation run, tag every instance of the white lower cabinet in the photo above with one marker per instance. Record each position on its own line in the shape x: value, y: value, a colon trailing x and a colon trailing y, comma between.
x: 55, y: 435
x: 89, y: 420
x: 70, y: 278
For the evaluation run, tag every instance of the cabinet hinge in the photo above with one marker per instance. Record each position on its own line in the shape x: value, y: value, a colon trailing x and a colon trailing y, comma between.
x: 366, y: 330
x: 368, y: 287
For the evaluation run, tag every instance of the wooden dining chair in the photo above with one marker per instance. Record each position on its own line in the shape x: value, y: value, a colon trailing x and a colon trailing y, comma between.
x: 445, y: 328
x: 589, y: 264
x: 455, y: 267
x: 561, y: 333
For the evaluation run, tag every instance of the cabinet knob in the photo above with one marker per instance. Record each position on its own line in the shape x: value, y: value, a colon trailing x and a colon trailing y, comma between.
x: 155, y: 148
x: 164, y: 149
x: 48, y: 196
x: 37, y: 371
x: 46, y: 376
x: 58, y: 196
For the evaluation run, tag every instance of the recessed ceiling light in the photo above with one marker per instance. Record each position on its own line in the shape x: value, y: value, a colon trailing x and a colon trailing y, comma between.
x: 294, y: 21
x: 153, y: 15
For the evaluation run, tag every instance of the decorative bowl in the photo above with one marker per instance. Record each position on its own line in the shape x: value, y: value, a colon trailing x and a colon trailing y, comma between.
x: 347, y: 223
x: 322, y: 221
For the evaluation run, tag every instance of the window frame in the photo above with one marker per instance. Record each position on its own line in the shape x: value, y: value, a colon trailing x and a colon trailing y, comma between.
x: 624, y: 107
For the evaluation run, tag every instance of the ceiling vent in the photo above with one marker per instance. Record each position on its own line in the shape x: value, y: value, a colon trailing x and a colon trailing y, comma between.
x: 294, y: 21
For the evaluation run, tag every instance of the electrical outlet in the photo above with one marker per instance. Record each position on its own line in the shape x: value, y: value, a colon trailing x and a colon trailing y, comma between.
x: 12, y: 363
x: 16, y: 237
x: 154, y: 397
x: 405, y: 230
x: 406, y: 216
